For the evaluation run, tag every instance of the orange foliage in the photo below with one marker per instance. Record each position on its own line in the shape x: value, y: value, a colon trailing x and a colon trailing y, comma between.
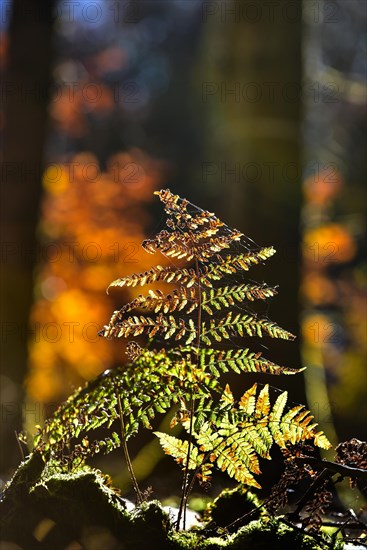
x: 318, y: 288
x: 333, y: 289
x: 320, y: 189
x: 90, y: 232
x: 329, y: 243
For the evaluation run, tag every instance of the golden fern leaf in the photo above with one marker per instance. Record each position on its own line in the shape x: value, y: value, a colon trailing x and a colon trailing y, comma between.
x: 151, y: 276
x: 235, y: 466
x: 227, y: 396
x: 239, y: 434
x: 157, y: 301
x: 213, y: 228
x: 185, y: 239
x: 136, y: 325
x: 297, y: 426
x: 294, y: 426
x: 248, y: 401
x: 231, y: 454
x: 177, y: 208
x: 188, y: 276
x: 183, y: 276
x: 164, y: 243
x: 184, y: 246
x: 235, y: 443
x: 177, y: 448
x: 231, y: 450
x: 321, y: 440
x: 291, y: 430
x: 263, y: 403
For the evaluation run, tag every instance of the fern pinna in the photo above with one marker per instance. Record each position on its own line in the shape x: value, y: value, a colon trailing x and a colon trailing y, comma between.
x: 200, y: 327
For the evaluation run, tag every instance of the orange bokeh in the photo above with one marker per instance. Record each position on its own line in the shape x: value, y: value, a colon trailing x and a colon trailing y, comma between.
x: 90, y: 233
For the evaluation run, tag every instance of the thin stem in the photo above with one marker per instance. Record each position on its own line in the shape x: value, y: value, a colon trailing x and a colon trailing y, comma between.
x: 19, y: 444
x: 191, y: 485
x: 186, y: 487
x: 342, y: 469
x: 139, y: 497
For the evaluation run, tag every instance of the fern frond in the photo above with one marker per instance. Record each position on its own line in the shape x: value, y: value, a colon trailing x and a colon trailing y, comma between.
x: 240, y: 360
x: 190, y: 244
x: 297, y: 426
x: 152, y: 385
x: 227, y: 296
x: 224, y: 328
x: 259, y: 436
x: 166, y: 325
x: 157, y: 301
x: 188, y: 276
x: 238, y: 459
x: 239, y: 325
x: 240, y: 434
x: 180, y: 218
x: 183, y: 276
x: 233, y: 435
x: 207, y: 250
x: 231, y: 452
x: 232, y: 264
x: 263, y: 403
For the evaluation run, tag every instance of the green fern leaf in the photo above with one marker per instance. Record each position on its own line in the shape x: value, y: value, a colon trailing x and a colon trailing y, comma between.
x: 232, y: 325
x: 228, y: 296
x: 232, y: 264
x: 240, y: 360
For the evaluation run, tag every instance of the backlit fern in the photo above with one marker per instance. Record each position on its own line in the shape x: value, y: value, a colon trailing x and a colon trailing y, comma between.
x: 195, y: 333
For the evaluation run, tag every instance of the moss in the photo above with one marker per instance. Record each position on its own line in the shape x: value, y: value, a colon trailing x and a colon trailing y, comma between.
x: 232, y: 504
x: 275, y: 534
x: 62, y: 508
x: 186, y: 540
x: 257, y: 535
x: 58, y: 509
x: 28, y: 471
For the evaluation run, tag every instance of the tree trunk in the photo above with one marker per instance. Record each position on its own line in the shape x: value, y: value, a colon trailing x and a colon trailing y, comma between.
x: 26, y: 91
x: 249, y: 85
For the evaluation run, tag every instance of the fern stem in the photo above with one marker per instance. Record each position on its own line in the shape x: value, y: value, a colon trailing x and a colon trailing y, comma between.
x: 191, y: 485
x: 186, y: 487
x: 139, y: 498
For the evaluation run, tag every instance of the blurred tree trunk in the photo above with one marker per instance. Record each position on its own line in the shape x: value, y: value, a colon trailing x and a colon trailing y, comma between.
x: 249, y: 84
x: 334, y: 214
x: 26, y: 90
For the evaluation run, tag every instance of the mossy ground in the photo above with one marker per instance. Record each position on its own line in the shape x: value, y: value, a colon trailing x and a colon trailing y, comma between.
x: 43, y: 509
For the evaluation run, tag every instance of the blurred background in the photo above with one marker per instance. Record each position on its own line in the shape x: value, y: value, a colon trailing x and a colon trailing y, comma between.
x: 253, y: 110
